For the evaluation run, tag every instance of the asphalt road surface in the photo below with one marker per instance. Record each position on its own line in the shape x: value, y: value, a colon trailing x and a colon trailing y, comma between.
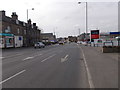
x: 58, y: 66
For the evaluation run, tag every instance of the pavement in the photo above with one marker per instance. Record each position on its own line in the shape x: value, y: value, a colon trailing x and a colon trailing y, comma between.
x: 99, y: 50
x: 58, y: 66
x: 103, y: 67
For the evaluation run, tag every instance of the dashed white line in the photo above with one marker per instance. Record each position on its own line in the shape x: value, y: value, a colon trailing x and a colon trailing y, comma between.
x: 13, y: 55
x: 2, y: 57
x: 88, y: 72
x: 28, y: 58
x: 48, y: 58
x: 31, y: 57
x: 19, y: 54
x: 12, y: 76
x: 37, y: 55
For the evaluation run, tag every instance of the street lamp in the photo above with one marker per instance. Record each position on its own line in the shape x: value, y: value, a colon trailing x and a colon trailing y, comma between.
x: 27, y: 12
x: 86, y: 16
x: 27, y: 28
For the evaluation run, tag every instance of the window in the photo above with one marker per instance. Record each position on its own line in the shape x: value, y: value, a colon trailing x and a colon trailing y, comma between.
x: 8, y: 29
x: 18, y: 31
x: 23, y: 23
x: 25, y: 32
x: 32, y: 26
x: 17, y: 22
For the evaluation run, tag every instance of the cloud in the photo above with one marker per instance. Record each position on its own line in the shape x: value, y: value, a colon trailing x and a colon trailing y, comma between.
x: 67, y: 15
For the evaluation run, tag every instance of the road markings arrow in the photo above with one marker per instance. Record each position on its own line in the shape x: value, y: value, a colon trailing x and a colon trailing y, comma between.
x: 64, y: 59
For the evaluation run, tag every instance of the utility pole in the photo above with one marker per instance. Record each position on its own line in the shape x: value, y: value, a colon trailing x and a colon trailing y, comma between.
x: 28, y: 13
x: 79, y: 31
x: 79, y: 34
x: 86, y: 17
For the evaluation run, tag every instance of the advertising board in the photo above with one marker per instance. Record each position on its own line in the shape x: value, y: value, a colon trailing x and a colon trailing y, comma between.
x: 94, y: 35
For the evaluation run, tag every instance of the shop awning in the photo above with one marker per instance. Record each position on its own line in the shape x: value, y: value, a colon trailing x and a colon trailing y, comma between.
x: 6, y: 34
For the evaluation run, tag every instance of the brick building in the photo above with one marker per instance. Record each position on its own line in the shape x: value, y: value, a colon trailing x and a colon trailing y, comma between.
x: 16, y: 33
x: 48, y: 38
x: 72, y: 38
x: 84, y: 37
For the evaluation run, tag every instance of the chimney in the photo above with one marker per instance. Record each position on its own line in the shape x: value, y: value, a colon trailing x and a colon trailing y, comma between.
x: 14, y: 16
x: 29, y: 21
x: 34, y: 24
x: 2, y: 14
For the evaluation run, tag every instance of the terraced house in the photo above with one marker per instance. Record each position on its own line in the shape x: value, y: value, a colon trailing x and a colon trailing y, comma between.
x: 16, y: 33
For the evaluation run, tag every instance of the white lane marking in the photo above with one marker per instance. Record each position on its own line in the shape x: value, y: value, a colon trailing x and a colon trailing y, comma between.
x: 37, y: 55
x: 31, y: 57
x: 28, y: 58
x: 2, y: 57
x: 12, y: 76
x: 88, y: 72
x: 65, y: 58
x: 19, y: 54
x: 48, y: 58
x: 14, y: 55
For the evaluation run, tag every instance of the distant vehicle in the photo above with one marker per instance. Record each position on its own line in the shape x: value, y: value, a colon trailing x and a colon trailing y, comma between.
x: 79, y: 42
x: 61, y: 43
x: 39, y: 45
x: 118, y: 37
x: 84, y: 43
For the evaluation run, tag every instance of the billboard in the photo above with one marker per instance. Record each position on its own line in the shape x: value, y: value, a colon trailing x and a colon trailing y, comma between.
x: 94, y: 35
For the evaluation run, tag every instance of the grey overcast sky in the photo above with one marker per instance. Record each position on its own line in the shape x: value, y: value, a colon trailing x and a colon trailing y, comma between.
x: 65, y: 17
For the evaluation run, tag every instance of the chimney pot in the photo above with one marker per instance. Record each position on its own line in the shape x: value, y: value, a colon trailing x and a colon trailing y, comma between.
x: 14, y: 16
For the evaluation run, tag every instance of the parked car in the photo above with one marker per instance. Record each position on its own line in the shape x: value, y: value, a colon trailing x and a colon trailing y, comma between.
x: 39, y: 45
x: 79, y: 42
x: 84, y: 43
x: 61, y: 43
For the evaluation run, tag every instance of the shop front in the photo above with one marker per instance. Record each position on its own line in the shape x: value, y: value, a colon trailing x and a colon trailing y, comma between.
x: 6, y: 40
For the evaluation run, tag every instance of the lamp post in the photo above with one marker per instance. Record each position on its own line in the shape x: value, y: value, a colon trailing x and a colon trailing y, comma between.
x: 27, y: 12
x: 27, y: 28
x: 86, y: 16
x: 79, y: 34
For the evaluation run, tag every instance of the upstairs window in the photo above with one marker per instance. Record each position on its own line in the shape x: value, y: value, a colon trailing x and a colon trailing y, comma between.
x: 23, y: 23
x: 18, y: 31
x: 8, y: 29
x: 25, y: 32
x: 17, y: 22
x: 32, y: 26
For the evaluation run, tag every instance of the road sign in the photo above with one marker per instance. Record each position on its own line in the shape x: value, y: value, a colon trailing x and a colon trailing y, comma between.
x: 20, y: 38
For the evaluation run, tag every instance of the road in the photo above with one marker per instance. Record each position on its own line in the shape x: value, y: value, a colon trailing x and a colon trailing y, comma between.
x: 58, y: 66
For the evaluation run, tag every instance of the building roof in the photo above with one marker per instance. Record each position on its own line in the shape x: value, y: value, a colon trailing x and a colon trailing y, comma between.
x: 47, y: 34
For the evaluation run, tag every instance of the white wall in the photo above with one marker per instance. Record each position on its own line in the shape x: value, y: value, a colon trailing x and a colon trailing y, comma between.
x: 18, y: 42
